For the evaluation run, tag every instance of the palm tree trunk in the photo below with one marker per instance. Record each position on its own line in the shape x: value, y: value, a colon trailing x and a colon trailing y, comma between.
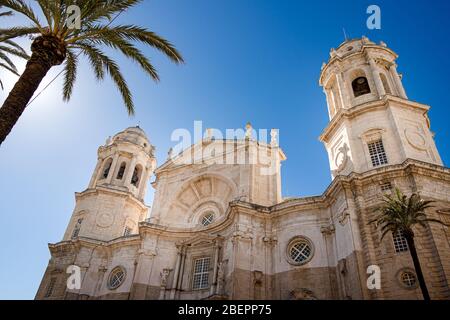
x: 415, y: 258
x: 47, y: 51
x: 20, y: 95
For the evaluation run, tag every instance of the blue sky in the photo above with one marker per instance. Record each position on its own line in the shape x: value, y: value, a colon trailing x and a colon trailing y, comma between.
x: 251, y: 60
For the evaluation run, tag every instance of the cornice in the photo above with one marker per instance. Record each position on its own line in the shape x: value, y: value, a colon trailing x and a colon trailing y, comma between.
x: 364, y: 108
x: 322, y: 201
x: 363, y: 50
x: 176, y: 164
x: 93, y: 243
x: 294, y: 205
x: 124, y: 194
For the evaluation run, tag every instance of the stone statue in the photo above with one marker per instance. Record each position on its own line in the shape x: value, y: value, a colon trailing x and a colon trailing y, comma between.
x: 333, y: 53
x: 209, y: 134
x: 170, y: 154
x: 221, y: 276
x: 248, y: 131
x: 273, y: 137
x: 164, y: 275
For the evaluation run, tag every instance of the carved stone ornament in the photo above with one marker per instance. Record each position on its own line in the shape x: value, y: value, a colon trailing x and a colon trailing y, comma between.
x: 341, y: 158
x: 328, y: 229
x: 302, y: 294
x: 415, y: 139
x: 221, y: 276
x: 343, y: 217
x: 257, y: 278
x: 164, y: 275
x: 105, y: 220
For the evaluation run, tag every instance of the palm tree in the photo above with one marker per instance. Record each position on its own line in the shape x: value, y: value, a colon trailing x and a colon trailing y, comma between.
x: 60, y: 40
x: 400, y: 213
x: 9, y: 47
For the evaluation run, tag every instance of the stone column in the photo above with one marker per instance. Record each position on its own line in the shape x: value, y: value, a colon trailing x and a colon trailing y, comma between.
x: 130, y: 171
x: 376, y: 78
x: 175, y: 275
x: 330, y: 102
x: 142, y: 273
x: 84, y: 268
x: 216, y: 266
x: 144, y: 182
x: 96, y: 173
x: 181, y: 273
x: 112, y: 169
x: 398, y: 82
x: 345, y: 103
x: 328, y: 232
x: 270, y: 244
x: 101, y: 276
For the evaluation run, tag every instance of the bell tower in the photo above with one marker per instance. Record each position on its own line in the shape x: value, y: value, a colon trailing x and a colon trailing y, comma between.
x: 372, y: 121
x: 113, y: 205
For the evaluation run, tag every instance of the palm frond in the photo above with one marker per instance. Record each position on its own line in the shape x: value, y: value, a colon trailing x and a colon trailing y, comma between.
x: 132, y: 33
x: 102, y: 63
x: 92, y: 53
x: 129, y: 51
x: 9, y: 47
x: 2, y: 65
x: 96, y: 33
x: 436, y: 221
x: 6, y: 13
x: 70, y: 74
x: 7, y: 60
x: 400, y: 212
x: 15, y: 46
x: 23, y: 8
x: 14, y: 51
x: 95, y: 11
x: 16, y: 32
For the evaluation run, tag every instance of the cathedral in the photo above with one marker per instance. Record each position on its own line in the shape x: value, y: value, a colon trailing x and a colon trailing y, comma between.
x: 220, y: 228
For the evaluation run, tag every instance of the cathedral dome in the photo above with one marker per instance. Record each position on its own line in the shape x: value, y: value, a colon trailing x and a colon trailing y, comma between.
x: 134, y: 135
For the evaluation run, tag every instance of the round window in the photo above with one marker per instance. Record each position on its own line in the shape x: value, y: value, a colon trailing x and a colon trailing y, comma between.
x: 207, y: 219
x: 408, y: 279
x: 300, y: 251
x: 116, y: 278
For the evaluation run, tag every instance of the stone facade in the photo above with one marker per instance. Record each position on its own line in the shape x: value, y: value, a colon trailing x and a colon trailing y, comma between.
x: 221, y: 230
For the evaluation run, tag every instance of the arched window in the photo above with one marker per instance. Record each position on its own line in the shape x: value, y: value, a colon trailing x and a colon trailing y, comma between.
x: 407, y: 278
x: 121, y: 171
x: 384, y: 80
x: 136, y: 176
x: 300, y: 251
x: 116, y: 278
x: 107, y: 168
x: 360, y: 86
x: 207, y: 219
